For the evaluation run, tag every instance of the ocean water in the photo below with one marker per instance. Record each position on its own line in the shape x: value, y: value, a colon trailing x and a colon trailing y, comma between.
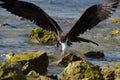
x: 64, y: 8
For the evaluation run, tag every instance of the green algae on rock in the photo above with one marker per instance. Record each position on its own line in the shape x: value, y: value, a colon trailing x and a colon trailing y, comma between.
x: 37, y: 61
x: 117, y: 74
x: 117, y: 65
x: 39, y: 35
x: 2, y: 25
x: 116, y: 32
x: 33, y: 73
x: 11, y: 72
x: 116, y: 20
x: 37, y: 76
x: 47, y: 78
x: 108, y: 73
x: 117, y: 71
x: 81, y: 69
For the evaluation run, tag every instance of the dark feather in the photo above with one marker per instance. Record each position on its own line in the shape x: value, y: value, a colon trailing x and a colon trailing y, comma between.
x: 31, y: 12
x: 92, y: 16
x: 78, y: 39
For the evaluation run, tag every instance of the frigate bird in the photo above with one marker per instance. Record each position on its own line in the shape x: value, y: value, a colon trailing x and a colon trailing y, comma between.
x: 90, y: 18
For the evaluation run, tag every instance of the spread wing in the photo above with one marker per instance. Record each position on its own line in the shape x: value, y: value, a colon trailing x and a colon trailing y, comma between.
x: 32, y: 13
x: 92, y: 16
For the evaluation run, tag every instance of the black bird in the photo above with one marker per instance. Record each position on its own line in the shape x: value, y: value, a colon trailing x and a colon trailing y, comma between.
x: 90, y: 18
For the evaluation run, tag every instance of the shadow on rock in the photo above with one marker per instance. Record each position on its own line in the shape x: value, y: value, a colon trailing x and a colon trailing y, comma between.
x: 95, y: 54
x: 67, y: 58
x: 11, y: 72
x: 37, y: 61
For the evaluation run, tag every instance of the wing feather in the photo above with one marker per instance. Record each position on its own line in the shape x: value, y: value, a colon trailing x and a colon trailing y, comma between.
x: 32, y: 13
x: 92, y: 16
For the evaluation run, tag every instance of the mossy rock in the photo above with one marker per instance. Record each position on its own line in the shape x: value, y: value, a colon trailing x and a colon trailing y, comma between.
x: 11, y: 72
x: 116, y: 20
x: 66, y: 59
x: 2, y: 25
x: 37, y: 76
x: 33, y: 73
x: 109, y: 73
x: 82, y: 69
x: 39, y: 35
x: 117, y: 74
x: 117, y: 71
x: 37, y: 61
x: 49, y: 77
x: 117, y: 65
x: 116, y: 32
x: 95, y: 54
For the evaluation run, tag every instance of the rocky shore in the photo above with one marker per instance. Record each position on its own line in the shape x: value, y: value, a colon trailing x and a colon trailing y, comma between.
x: 34, y: 65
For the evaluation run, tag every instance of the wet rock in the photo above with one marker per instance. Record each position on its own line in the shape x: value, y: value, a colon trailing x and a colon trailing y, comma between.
x: 2, y: 25
x: 116, y: 20
x: 82, y: 69
x: 108, y: 73
x: 117, y: 65
x: 117, y: 74
x: 51, y: 77
x: 86, y: 79
x: 95, y: 54
x: 11, y: 72
x: 39, y: 35
x: 115, y: 36
x: 36, y: 76
x: 33, y: 74
x: 117, y: 71
x: 116, y: 32
x: 9, y: 55
x: 66, y: 59
x: 37, y: 61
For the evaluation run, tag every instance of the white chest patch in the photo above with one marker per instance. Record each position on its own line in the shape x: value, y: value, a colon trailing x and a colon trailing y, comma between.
x: 64, y: 46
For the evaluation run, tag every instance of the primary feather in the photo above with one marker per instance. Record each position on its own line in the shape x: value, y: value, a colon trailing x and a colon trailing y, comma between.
x: 94, y: 15
x: 32, y: 13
